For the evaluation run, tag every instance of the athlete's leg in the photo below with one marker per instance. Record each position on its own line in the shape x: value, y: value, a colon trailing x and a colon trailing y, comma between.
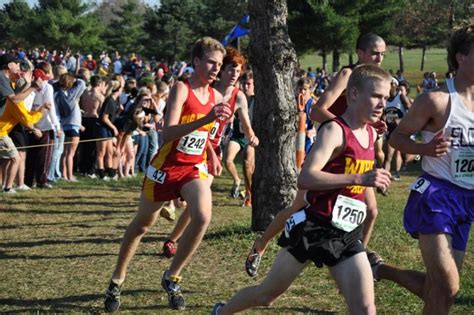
x: 231, y: 151
x: 415, y: 281
x: 197, y: 195
x: 372, y: 213
x: 389, y: 154
x: 144, y: 219
x: 249, y: 167
x: 442, y: 274
x: 184, y: 219
x: 284, y: 271
x: 354, y: 279
x: 379, y: 153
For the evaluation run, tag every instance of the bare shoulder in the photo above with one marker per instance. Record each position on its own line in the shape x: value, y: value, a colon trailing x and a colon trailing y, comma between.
x: 329, y: 130
x: 435, y: 101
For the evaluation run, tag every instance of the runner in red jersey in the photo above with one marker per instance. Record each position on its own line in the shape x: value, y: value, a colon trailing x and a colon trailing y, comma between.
x: 337, y: 170
x: 178, y: 170
x: 233, y: 64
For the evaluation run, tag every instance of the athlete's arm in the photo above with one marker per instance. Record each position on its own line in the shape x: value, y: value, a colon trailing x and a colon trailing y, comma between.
x: 242, y: 109
x: 320, y: 111
x: 426, y: 113
x: 278, y: 222
x: 172, y: 130
x: 215, y: 162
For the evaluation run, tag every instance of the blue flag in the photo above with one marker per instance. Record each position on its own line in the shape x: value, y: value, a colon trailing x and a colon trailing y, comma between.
x: 237, y: 31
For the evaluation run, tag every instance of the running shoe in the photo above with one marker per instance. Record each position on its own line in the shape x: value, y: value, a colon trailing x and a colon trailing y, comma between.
x: 169, y: 249
x: 253, y: 262
x: 168, y: 213
x: 217, y: 307
x: 235, y: 191
x: 112, y: 298
x: 375, y: 262
x: 23, y: 188
x: 247, y: 202
x: 383, y: 192
x: 396, y: 176
x: 170, y: 285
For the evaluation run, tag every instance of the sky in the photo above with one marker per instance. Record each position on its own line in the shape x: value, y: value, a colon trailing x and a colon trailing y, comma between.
x: 33, y: 2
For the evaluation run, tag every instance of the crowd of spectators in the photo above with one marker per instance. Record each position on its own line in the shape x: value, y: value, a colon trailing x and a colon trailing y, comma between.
x: 65, y: 113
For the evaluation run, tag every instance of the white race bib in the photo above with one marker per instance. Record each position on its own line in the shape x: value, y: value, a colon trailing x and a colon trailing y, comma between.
x: 293, y: 221
x: 420, y: 185
x: 462, y: 165
x: 348, y: 213
x: 193, y: 143
x: 214, y: 129
x: 155, y: 175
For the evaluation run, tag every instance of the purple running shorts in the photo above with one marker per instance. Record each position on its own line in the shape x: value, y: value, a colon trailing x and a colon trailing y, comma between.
x: 438, y: 206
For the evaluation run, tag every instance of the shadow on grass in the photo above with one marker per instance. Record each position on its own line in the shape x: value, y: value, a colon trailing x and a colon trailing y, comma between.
x: 228, y: 231
x: 464, y: 300
x: 147, y: 239
x: 286, y: 310
x: 72, y: 303
x: 78, y: 212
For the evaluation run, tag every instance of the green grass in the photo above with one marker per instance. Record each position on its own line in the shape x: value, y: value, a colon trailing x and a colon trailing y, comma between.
x: 58, y: 249
x: 435, y: 61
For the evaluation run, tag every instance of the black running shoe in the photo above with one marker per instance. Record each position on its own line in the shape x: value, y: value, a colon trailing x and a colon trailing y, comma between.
x: 112, y: 298
x: 170, y: 285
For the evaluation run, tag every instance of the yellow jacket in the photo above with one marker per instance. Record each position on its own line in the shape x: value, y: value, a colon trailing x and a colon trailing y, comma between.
x: 15, y: 114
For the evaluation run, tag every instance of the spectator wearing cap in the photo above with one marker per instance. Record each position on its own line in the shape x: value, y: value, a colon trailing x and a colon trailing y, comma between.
x: 10, y: 72
x: 38, y: 159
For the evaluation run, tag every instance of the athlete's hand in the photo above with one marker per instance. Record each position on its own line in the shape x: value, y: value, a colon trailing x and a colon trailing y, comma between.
x: 221, y: 111
x: 377, y: 177
x: 380, y: 127
x: 253, y: 141
x: 438, y: 146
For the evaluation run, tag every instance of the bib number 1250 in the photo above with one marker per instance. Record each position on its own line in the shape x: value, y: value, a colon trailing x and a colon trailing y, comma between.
x: 348, y: 213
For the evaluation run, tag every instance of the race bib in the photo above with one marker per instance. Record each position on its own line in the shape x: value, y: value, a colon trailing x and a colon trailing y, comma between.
x: 348, y: 213
x: 420, y: 185
x: 193, y: 143
x: 462, y: 166
x: 155, y: 175
x: 293, y: 221
x: 213, y: 133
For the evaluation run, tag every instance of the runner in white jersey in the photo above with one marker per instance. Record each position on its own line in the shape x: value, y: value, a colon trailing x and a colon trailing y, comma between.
x: 440, y: 209
x: 397, y: 106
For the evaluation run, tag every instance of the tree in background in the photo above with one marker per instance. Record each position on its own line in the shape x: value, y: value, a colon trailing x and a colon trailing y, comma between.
x: 324, y: 26
x: 66, y: 24
x: 274, y: 59
x: 125, y: 31
x: 15, y: 17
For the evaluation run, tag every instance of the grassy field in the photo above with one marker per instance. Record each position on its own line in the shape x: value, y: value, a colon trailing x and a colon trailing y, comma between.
x: 58, y: 249
x: 435, y: 61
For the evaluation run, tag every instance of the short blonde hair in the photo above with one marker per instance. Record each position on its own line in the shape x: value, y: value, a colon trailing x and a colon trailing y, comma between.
x: 366, y: 72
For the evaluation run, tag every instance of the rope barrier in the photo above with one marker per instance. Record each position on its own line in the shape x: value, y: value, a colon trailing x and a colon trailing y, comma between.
x: 65, y: 142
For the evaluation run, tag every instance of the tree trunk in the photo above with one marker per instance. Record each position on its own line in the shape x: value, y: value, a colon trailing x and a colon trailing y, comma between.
x: 335, y: 60
x: 400, y: 58
x: 325, y: 60
x: 273, y: 61
x: 423, y: 58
